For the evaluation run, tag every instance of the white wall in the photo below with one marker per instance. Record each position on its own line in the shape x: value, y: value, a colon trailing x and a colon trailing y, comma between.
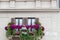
x: 50, y: 20
x: 26, y: 5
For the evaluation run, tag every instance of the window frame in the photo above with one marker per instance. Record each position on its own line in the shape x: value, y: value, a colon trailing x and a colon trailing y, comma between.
x: 25, y: 20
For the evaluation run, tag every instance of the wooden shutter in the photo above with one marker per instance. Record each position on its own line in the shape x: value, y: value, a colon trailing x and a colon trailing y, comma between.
x: 26, y: 21
x: 37, y: 21
x: 23, y: 21
x: 13, y: 20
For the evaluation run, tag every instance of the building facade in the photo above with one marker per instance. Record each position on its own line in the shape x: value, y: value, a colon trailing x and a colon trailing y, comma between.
x: 47, y: 11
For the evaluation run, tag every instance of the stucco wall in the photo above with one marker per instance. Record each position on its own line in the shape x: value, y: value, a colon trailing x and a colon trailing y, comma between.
x: 50, y: 20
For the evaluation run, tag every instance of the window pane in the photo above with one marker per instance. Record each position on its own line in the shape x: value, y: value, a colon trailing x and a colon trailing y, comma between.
x: 29, y: 21
x: 20, y: 21
x: 16, y: 21
x: 33, y: 21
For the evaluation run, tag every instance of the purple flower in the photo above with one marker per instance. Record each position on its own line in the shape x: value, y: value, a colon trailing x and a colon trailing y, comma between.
x: 28, y: 26
x: 36, y: 27
x: 12, y: 26
x: 19, y: 27
x: 43, y: 28
x: 32, y: 26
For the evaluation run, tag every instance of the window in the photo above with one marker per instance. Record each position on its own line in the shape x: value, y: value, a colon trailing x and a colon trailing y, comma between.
x: 18, y: 21
x: 25, y: 21
x: 31, y: 21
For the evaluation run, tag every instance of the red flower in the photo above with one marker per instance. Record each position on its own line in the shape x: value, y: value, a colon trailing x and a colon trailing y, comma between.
x: 43, y: 28
x: 5, y: 28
